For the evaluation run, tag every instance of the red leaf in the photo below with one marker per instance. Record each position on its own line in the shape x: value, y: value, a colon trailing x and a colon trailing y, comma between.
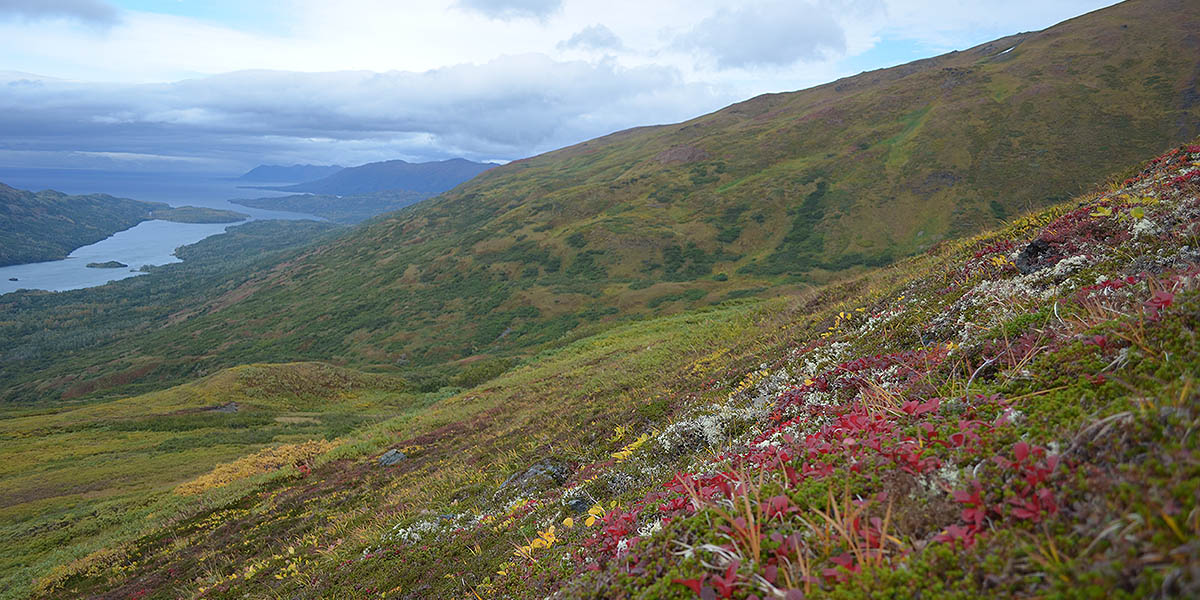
x: 691, y: 584
x: 844, y: 559
x: 1021, y: 451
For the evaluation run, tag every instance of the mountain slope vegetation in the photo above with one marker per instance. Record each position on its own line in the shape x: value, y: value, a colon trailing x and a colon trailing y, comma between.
x: 766, y: 197
x: 1007, y: 415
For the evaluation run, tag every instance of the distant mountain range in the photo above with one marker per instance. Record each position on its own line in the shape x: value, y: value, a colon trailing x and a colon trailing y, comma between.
x: 48, y: 225
x: 294, y: 173
x: 339, y: 209
x: 428, y: 178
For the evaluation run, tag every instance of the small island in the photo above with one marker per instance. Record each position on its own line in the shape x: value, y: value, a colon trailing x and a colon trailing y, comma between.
x: 112, y: 264
x: 197, y: 214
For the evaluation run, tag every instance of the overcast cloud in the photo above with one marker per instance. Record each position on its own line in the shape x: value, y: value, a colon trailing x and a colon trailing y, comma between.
x: 223, y: 85
x: 89, y: 11
x: 510, y: 107
x: 510, y: 9
x: 773, y: 33
x: 592, y: 37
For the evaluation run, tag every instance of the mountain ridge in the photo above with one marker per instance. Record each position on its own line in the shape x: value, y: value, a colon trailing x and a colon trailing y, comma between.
x: 428, y: 178
x: 292, y: 173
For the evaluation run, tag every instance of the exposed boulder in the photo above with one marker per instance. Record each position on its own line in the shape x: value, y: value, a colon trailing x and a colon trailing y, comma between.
x: 391, y: 457
x: 544, y: 474
x: 1035, y: 257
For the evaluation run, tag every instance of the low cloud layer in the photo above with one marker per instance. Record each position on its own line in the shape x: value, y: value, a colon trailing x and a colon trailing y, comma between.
x: 511, y: 9
x: 95, y: 12
x: 592, y: 37
x: 767, y: 34
x: 509, y: 108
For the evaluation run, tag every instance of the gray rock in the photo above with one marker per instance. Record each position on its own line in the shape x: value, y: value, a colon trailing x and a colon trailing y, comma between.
x: 543, y: 474
x: 579, y: 505
x: 391, y: 457
x: 1036, y: 256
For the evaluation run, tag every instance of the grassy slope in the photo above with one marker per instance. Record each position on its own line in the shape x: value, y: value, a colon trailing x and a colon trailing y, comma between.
x: 78, y: 475
x: 784, y: 189
x: 1013, y: 434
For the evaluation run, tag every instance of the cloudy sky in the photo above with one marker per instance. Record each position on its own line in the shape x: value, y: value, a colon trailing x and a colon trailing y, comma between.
x: 222, y: 85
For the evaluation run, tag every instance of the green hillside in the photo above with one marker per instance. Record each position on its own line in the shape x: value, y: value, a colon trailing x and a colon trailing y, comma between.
x: 763, y: 198
x: 48, y: 225
x: 1008, y: 415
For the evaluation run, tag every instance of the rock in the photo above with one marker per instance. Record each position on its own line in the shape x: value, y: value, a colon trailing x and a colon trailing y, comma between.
x: 229, y: 407
x: 391, y: 457
x: 1032, y: 257
x: 579, y: 505
x: 544, y: 474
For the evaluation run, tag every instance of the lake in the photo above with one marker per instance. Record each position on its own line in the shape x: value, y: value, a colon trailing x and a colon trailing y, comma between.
x: 148, y: 243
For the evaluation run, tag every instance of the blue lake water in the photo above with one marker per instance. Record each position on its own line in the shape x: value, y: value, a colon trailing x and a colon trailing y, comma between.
x: 148, y: 243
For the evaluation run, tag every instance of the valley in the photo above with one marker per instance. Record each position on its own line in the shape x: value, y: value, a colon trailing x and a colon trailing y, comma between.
x: 926, y: 331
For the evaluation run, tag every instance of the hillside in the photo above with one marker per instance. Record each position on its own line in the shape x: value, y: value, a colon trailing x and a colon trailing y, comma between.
x: 764, y: 198
x: 48, y: 225
x: 1009, y: 415
x: 293, y: 173
x: 428, y: 178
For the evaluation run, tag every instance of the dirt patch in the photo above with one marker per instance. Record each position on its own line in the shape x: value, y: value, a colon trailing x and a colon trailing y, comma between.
x: 117, y: 379
x: 680, y: 155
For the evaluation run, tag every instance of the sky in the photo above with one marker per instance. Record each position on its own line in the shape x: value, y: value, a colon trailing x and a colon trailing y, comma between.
x: 219, y: 86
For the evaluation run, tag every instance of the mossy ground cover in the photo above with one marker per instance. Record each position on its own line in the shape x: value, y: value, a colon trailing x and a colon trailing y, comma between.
x: 1009, y: 415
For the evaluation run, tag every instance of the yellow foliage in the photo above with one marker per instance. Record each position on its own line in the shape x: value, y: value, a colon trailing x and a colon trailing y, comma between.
x: 262, y: 461
x: 623, y: 454
x: 92, y: 565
